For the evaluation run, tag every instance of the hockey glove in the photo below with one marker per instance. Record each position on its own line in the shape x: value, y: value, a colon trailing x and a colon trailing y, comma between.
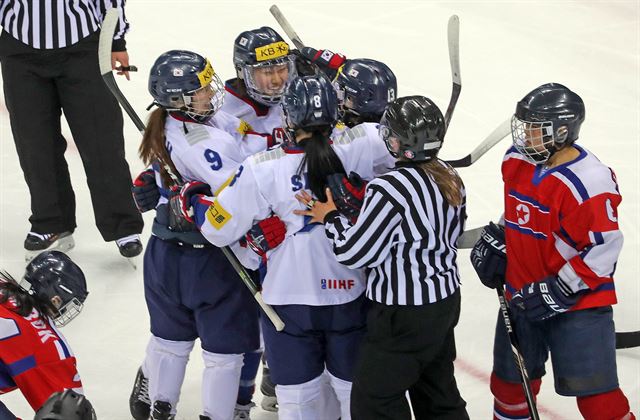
x: 348, y: 193
x: 180, y: 211
x: 328, y: 62
x: 265, y: 235
x: 489, y: 256
x: 145, y: 191
x: 545, y: 299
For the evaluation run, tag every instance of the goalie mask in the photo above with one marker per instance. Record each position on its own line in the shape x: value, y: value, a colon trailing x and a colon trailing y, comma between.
x: 309, y: 102
x: 262, y: 61
x: 53, y: 278
x: 365, y: 87
x: 184, y: 81
x: 546, y: 119
x: 413, y: 128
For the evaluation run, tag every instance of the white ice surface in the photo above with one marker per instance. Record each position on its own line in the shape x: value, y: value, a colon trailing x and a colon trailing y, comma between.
x: 507, y: 48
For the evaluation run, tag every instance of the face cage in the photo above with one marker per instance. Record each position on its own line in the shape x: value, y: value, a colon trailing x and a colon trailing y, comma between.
x: 289, y: 131
x: 66, y: 313
x: 217, y: 99
x: 268, y: 98
x: 390, y: 140
x: 533, y: 139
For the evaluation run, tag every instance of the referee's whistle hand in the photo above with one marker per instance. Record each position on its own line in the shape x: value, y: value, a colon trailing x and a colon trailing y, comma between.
x: 317, y: 210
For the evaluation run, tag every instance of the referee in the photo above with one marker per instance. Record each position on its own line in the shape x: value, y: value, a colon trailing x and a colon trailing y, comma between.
x: 405, y: 236
x: 49, y: 56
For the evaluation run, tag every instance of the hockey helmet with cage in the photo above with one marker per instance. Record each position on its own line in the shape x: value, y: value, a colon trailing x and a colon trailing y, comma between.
x: 184, y: 81
x: 546, y: 119
x: 365, y: 87
x: 53, y: 278
x: 66, y: 405
x: 262, y: 60
x: 413, y: 128
x: 309, y: 102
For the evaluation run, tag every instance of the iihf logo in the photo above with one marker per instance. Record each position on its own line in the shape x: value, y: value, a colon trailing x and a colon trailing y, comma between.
x: 337, y: 284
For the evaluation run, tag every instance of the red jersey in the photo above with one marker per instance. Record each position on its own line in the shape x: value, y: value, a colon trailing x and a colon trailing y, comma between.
x: 34, y: 357
x: 562, y: 221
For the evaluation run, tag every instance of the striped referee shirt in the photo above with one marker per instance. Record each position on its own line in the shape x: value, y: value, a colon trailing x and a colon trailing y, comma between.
x: 405, y: 236
x: 52, y: 24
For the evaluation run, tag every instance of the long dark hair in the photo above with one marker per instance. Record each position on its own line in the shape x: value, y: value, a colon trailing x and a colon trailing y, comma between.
x: 446, y: 178
x: 25, y: 303
x: 320, y: 160
x: 152, y: 148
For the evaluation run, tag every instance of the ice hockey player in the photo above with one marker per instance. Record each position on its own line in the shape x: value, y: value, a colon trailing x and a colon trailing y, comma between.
x: 562, y: 245
x: 34, y: 356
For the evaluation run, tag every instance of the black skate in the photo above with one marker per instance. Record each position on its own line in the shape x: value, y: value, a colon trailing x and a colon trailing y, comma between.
x: 268, y: 389
x: 35, y: 243
x: 161, y: 411
x: 139, y: 402
x: 242, y: 411
x: 130, y: 246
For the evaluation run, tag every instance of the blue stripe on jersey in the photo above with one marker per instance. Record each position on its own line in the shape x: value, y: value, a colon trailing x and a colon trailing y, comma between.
x: 605, y: 287
x: 529, y: 200
x: 21, y: 366
x: 598, y: 237
x: 578, y: 185
x: 510, y: 288
x: 524, y: 230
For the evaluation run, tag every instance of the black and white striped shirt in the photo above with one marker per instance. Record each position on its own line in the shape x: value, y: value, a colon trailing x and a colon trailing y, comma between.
x: 52, y: 24
x: 405, y: 235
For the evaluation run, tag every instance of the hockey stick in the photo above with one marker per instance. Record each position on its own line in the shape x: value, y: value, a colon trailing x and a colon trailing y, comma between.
x: 502, y: 131
x: 627, y: 340
x: 517, y: 355
x: 453, y: 39
x: 286, y: 27
x: 104, y: 57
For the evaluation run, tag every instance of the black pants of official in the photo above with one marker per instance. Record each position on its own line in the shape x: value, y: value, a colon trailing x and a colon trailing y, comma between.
x: 408, y: 348
x: 38, y: 86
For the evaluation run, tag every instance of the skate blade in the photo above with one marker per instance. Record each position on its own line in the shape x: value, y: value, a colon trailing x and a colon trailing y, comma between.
x: 63, y: 245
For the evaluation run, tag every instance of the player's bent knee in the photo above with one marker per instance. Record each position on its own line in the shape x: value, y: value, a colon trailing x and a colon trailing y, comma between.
x: 612, y: 405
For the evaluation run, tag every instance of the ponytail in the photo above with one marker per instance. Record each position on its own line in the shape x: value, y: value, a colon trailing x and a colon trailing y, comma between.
x: 24, y: 302
x: 320, y: 160
x: 153, y: 149
x: 447, y: 179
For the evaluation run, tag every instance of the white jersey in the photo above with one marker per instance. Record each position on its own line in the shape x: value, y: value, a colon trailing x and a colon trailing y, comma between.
x: 303, y: 269
x: 211, y: 153
x: 261, y: 118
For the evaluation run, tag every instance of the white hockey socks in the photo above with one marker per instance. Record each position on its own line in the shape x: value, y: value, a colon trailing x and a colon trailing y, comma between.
x: 342, y: 390
x: 220, y: 381
x: 300, y: 401
x: 165, y: 366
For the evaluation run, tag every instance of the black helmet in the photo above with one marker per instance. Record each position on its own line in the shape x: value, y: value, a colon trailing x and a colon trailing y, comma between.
x: 308, y: 102
x: 51, y: 274
x: 265, y: 51
x: 367, y: 87
x: 413, y: 128
x: 551, y: 113
x: 67, y: 405
x: 177, y: 75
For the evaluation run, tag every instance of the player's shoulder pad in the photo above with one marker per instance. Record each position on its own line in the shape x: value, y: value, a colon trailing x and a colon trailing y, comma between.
x: 350, y: 134
x: 195, y: 133
x: 268, y: 155
x: 8, y: 328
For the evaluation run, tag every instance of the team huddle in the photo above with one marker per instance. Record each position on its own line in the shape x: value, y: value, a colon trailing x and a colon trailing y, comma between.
x: 310, y: 170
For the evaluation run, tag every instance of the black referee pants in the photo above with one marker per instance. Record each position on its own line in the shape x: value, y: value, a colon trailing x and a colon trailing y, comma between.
x: 38, y: 86
x: 408, y: 348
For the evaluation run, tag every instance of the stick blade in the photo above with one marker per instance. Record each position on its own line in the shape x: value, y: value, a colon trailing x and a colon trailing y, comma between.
x: 286, y: 26
x: 627, y: 340
x: 106, y: 39
x: 502, y: 131
x: 453, y: 38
